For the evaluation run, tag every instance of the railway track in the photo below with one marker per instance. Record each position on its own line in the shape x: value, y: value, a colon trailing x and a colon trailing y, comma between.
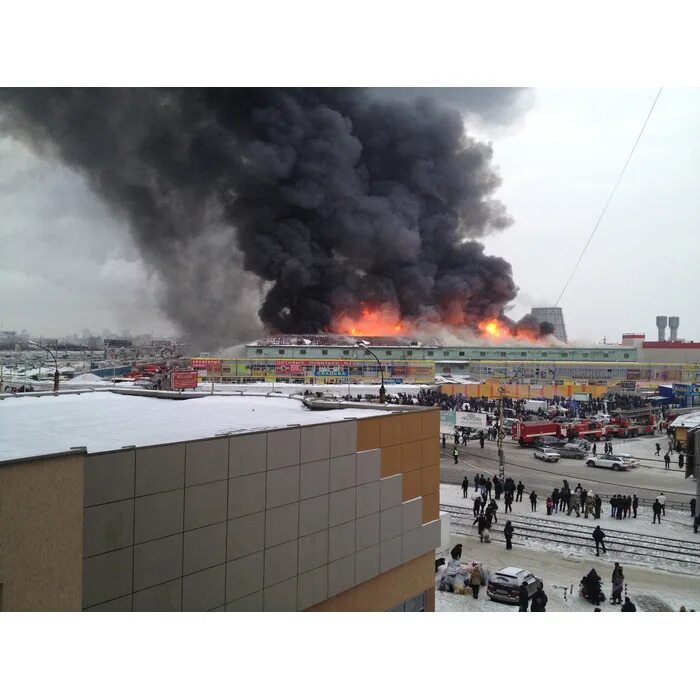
x: 658, y: 551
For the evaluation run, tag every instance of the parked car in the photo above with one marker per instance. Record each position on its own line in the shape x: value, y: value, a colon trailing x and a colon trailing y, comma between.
x: 504, y: 584
x: 571, y: 451
x: 581, y: 442
x: 546, y: 454
x: 548, y: 441
x: 608, y: 461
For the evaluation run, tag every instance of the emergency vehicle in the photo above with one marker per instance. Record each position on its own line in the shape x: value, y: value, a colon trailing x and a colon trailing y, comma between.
x: 525, y: 432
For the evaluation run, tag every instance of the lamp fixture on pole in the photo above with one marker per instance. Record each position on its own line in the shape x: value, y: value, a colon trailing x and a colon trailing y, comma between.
x: 55, y: 361
x: 382, y: 391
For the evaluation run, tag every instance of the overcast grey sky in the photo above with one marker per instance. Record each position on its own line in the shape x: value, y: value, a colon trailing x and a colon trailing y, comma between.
x: 67, y: 264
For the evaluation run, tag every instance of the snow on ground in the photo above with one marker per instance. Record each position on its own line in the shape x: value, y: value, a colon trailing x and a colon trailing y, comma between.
x: 86, y: 379
x: 562, y: 566
x: 335, y: 389
x: 33, y: 425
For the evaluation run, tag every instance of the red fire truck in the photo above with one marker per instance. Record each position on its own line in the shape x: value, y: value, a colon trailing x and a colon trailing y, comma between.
x: 525, y: 432
x: 643, y: 421
x: 588, y: 429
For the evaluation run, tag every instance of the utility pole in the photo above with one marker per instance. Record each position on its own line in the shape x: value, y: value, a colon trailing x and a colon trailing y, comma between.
x: 501, y: 434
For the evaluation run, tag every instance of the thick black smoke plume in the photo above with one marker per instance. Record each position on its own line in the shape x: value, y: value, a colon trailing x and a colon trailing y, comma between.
x: 333, y: 198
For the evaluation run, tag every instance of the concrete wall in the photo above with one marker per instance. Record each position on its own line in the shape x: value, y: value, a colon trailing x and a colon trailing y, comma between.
x: 280, y: 520
x: 41, y: 533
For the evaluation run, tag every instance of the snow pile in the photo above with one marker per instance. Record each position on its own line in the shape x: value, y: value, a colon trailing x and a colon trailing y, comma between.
x: 87, y: 378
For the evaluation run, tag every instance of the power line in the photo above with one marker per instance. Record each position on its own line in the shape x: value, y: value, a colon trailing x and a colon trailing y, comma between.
x: 612, y: 194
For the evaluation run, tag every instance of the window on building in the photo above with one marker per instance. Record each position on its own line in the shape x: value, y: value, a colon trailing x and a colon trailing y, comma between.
x: 387, y: 353
x: 482, y: 354
x: 544, y: 354
x: 626, y: 354
x: 258, y: 351
x: 461, y: 353
x: 605, y: 354
x: 585, y: 354
x: 414, y: 604
x: 409, y: 353
x: 281, y: 352
x: 430, y: 353
x: 446, y: 353
x: 346, y: 352
x: 302, y: 352
x: 523, y: 354
x: 324, y: 352
x: 502, y: 354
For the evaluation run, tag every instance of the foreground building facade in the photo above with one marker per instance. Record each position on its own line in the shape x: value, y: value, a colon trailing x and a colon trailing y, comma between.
x: 339, y: 515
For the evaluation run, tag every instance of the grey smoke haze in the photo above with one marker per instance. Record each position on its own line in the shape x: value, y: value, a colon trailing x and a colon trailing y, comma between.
x: 317, y: 200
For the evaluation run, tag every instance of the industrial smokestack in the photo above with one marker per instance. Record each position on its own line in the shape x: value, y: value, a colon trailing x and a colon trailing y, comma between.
x: 673, y: 322
x: 661, y: 325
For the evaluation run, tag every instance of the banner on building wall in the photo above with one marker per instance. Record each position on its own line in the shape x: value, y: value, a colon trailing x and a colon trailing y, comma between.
x: 470, y: 420
x: 183, y: 379
x: 212, y: 366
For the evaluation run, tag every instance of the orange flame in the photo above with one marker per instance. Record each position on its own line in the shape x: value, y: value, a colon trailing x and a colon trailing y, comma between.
x: 382, y: 320
x: 494, y: 328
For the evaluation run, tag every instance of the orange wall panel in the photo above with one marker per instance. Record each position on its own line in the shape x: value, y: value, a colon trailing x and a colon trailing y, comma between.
x: 430, y: 421
x: 431, y: 507
x: 430, y: 479
x: 410, y: 485
x: 391, y: 460
x: 411, y: 426
x: 411, y: 456
x: 368, y: 433
x: 430, y: 452
x: 390, y: 430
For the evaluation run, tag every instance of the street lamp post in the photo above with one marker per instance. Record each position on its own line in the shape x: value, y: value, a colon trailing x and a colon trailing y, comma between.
x: 501, y: 434
x: 382, y: 391
x: 55, y: 361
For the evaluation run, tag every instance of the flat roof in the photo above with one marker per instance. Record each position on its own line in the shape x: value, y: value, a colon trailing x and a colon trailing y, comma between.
x: 101, y: 421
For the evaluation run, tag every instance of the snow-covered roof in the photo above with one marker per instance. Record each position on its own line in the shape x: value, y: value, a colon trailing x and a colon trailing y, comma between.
x: 31, y: 425
x: 687, y: 420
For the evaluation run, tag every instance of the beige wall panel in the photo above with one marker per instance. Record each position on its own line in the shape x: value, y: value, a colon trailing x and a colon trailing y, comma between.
x: 41, y: 533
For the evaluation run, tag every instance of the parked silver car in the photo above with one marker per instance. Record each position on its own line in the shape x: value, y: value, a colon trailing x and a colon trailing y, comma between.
x: 546, y: 454
x: 504, y: 584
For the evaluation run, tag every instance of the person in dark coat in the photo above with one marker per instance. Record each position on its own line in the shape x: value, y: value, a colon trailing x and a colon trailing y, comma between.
x: 620, y: 506
x: 667, y: 460
x: 693, y: 503
x: 489, y: 518
x: 519, y: 491
x: 488, y: 488
x: 597, y: 505
x: 657, y: 511
x: 539, y: 600
x: 508, y: 534
x: 523, y: 597
x: 508, y: 500
x: 481, y: 520
x: 658, y: 449
x: 555, y: 499
x: 497, y: 488
x: 477, y: 506
x: 628, y: 606
x: 444, y: 441
x: 493, y: 507
x: 598, y: 537
x: 533, y: 501
x: 465, y: 487
x: 681, y: 460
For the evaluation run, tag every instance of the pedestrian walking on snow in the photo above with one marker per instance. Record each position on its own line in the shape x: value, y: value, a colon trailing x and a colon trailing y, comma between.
x: 657, y: 511
x: 465, y: 487
x: 598, y: 537
x: 475, y: 581
x: 680, y: 460
x: 693, y: 503
x: 533, y: 501
x: 658, y: 449
x: 635, y: 504
x: 594, y: 450
x: 667, y: 460
x: 508, y: 500
x: 662, y: 500
x: 477, y: 506
x: 508, y: 534
x: 480, y: 521
x: 455, y: 453
x: 519, y: 491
